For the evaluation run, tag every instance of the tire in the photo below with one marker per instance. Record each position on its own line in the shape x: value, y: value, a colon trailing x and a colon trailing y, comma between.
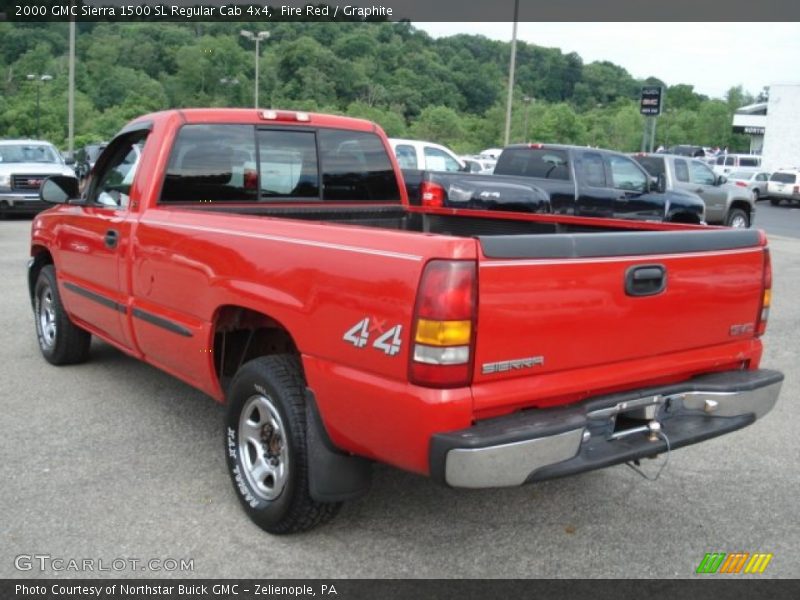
x: 775, y: 201
x: 60, y: 340
x: 756, y: 196
x: 737, y: 218
x: 265, y: 446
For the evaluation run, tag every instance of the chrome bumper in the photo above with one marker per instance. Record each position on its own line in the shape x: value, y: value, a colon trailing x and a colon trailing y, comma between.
x: 542, y: 444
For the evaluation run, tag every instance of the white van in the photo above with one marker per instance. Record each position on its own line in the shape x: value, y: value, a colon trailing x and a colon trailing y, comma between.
x: 417, y: 154
x: 725, y: 163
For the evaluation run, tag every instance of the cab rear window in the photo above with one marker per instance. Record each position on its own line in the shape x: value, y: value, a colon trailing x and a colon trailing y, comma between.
x: 244, y: 163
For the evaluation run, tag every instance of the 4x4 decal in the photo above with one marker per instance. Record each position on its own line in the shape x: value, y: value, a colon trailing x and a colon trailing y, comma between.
x: 389, y: 342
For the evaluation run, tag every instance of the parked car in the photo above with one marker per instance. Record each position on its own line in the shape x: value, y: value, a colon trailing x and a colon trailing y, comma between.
x: 478, y: 164
x: 418, y: 154
x: 493, y: 153
x: 726, y: 163
x: 726, y: 203
x: 24, y: 165
x: 687, y: 150
x: 754, y: 181
x: 567, y: 180
x: 339, y: 326
x: 86, y: 157
x: 783, y: 185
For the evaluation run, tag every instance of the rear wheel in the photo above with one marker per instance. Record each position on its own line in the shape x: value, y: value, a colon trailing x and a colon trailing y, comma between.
x: 738, y: 219
x: 266, y: 446
x: 60, y: 340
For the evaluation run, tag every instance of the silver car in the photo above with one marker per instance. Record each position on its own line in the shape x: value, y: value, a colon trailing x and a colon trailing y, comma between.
x: 754, y: 181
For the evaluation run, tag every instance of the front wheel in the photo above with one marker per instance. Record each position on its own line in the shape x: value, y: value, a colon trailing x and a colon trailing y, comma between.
x: 738, y: 219
x: 60, y: 340
x: 266, y: 446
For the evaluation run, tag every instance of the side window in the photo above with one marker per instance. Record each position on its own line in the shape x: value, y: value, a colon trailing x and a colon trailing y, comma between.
x: 720, y: 160
x: 762, y: 177
x: 406, y: 156
x: 593, y: 169
x: 730, y: 161
x: 749, y: 162
x: 112, y: 183
x: 626, y: 175
x: 437, y: 160
x: 681, y: 171
x: 355, y: 167
x: 701, y: 174
x: 212, y: 163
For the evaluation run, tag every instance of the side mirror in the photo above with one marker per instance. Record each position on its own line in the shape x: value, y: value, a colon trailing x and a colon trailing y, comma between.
x: 720, y: 180
x: 59, y: 189
x: 658, y: 184
x: 69, y: 161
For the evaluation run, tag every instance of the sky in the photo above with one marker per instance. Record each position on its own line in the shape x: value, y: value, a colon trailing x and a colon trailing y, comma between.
x: 713, y: 57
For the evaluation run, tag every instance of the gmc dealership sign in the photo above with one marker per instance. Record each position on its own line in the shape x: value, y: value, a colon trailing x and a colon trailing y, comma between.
x: 651, y: 100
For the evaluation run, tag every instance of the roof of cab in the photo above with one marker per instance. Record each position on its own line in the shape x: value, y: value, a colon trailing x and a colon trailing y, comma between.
x: 257, y: 116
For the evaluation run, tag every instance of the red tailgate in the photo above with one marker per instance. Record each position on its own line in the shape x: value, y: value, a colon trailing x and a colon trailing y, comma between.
x: 564, y: 304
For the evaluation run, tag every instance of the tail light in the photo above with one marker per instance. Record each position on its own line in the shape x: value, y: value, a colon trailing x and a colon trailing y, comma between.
x: 766, y: 295
x: 797, y: 189
x: 432, y: 194
x: 444, y: 325
x: 285, y: 115
x: 741, y: 184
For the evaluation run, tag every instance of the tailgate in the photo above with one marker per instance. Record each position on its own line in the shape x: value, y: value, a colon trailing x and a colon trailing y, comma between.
x: 558, y: 303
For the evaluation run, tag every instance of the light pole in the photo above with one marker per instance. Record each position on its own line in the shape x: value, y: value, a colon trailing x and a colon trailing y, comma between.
x: 511, y: 65
x: 257, y: 37
x: 39, y: 79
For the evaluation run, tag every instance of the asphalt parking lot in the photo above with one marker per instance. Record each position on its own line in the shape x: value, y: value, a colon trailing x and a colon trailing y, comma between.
x: 114, y: 459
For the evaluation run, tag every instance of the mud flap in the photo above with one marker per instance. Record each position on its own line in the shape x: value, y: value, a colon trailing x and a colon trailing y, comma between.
x: 333, y: 475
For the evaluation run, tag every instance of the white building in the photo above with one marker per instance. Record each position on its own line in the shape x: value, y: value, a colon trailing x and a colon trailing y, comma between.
x: 782, y: 135
x: 752, y: 120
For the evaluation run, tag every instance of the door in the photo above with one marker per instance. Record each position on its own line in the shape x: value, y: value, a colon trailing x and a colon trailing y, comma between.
x: 705, y: 184
x: 94, y: 243
x: 631, y: 185
x: 596, y: 196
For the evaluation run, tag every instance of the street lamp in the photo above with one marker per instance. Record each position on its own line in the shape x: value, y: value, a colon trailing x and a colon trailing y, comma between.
x: 257, y: 37
x: 511, y: 64
x: 41, y: 79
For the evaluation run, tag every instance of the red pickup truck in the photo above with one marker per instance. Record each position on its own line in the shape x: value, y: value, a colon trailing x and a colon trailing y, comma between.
x: 271, y: 260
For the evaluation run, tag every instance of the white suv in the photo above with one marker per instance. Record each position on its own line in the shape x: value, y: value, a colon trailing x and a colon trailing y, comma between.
x: 784, y: 184
x: 417, y: 154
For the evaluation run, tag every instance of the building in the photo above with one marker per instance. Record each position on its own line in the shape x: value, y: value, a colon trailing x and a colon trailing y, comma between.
x: 773, y: 126
x: 752, y: 120
x: 782, y: 136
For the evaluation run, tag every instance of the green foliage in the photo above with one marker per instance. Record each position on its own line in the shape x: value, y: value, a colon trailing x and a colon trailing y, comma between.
x: 448, y: 90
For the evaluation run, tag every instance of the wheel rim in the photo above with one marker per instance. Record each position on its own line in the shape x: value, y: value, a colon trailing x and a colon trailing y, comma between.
x: 738, y: 222
x: 263, y: 450
x: 46, y: 317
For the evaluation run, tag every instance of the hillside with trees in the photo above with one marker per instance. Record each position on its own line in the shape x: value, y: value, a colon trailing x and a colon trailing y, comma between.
x: 451, y: 90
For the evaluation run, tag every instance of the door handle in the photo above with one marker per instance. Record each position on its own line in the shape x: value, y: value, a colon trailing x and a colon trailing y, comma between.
x: 111, y: 238
x: 645, y: 280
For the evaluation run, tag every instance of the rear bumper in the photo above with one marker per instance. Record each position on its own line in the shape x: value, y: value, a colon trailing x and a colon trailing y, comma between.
x: 542, y: 444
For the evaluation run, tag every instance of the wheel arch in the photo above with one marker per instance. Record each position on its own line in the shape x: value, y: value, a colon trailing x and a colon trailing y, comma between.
x: 40, y: 256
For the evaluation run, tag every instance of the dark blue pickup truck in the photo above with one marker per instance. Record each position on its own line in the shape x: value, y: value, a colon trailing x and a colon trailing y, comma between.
x: 558, y: 179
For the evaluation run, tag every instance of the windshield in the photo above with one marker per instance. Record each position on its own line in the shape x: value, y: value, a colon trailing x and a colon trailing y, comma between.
x: 28, y: 153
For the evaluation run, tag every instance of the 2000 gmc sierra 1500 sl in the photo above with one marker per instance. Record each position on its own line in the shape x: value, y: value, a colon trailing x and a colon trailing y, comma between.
x: 270, y: 259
